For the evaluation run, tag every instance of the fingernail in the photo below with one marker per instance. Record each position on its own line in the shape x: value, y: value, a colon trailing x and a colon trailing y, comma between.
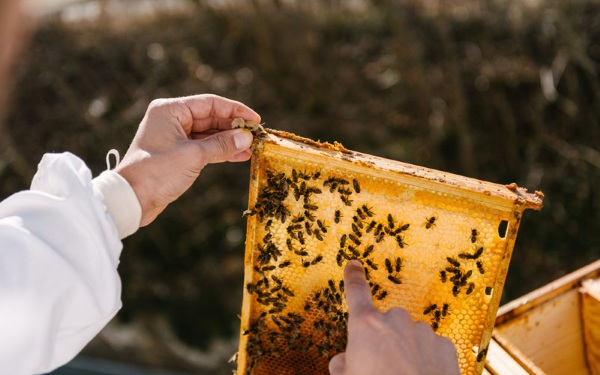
x: 243, y: 139
x: 356, y: 264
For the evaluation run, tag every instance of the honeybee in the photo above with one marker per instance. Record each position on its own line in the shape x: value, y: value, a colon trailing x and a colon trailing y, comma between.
x: 388, y: 266
x: 382, y: 295
x: 474, y: 234
x: 355, y: 229
x: 455, y: 290
x: 338, y: 258
x: 481, y: 355
x: 309, y: 215
x: 480, y: 267
x: 368, y: 251
x: 371, y: 226
x: 394, y: 279
x: 356, y: 186
x: 430, y: 222
x: 443, y: 276
x: 317, y: 259
x: 338, y: 216
x: 400, y: 241
x: 453, y: 262
x: 268, y: 224
x: 318, y: 235
x: 465, y: 256
x: 372, y: 264
x: 322, y: 226
x: 287, y: 291
x: 402, y: 228
x: 435, y: 325
x: 361, y: 214
x: 347, y: 201
x: 375, y: 289
x: 398, y: 264
x: 285, y: 264
x: 308, y: 228
x: 354, y: 251
x: 429, y: 308
x: 343, y: 241
x: 367, y: 210
x: 478, y: 253
x: 357, y: 221
x: 248, y: 213
x: 305, y: 263
x: 275, y: 289
x: 391, y: 222
x: 331, y: 284
x: 470, y: 288
x: 293, y: 227
x: 316, y: 175
x: 379, y: 237
x: 354, y: 239
x: 445, y: 309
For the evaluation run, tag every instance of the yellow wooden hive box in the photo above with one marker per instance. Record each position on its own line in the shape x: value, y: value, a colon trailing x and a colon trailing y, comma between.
x: 553, y: 330
x: 434, y: 243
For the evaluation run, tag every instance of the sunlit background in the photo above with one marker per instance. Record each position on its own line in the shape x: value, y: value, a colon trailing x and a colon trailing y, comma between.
x: 499, y: 90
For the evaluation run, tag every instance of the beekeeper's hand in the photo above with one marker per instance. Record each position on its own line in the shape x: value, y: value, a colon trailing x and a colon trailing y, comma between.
x: 388, y: 343
x: 176, y: 139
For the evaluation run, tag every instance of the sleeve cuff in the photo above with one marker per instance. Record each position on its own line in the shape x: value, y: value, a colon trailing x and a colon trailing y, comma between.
x: 120, y: 201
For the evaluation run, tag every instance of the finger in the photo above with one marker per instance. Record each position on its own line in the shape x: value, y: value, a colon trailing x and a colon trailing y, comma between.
x: 337, y: 364
x: 358, y: 293
x: 224, y: 146
x: 242, y: 156
x: 216, y: 107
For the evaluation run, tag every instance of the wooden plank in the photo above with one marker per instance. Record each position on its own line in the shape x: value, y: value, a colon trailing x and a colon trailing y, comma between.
x: 590, y: 314
x: 550, y: 334
x: 517, y: 355
x: 500, y: 362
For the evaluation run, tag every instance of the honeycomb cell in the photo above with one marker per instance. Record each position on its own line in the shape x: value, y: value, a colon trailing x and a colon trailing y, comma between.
x: 428, y: 240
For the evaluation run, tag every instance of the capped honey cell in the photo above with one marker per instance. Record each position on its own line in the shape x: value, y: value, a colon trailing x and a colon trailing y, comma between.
x: 434, y: 243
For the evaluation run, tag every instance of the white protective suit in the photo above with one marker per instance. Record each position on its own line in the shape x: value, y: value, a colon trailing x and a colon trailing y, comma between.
x: 59, y: 252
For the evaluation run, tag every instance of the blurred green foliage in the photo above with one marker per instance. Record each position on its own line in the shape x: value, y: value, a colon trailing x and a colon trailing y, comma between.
x: 505, y: 91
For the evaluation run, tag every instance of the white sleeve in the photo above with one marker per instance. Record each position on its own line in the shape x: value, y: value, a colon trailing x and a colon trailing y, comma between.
x: 59, y: 251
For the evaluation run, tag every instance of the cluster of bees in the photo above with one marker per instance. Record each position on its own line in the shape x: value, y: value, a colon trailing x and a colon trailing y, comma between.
x: 456, y: 274
x: 324, y: 314
x: 332, y: 325
x: 437, y: 313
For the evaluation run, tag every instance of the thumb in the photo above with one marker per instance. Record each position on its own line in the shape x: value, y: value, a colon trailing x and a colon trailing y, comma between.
x: 337, y: 364
x: 225, y: 145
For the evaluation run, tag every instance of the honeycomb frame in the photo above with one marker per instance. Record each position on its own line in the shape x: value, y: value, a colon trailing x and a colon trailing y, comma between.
x: 434, y: 243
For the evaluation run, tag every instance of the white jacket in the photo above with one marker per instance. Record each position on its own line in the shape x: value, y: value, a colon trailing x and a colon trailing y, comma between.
x: 59, y: 252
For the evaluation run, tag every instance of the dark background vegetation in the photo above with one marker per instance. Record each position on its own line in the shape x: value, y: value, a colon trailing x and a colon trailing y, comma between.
x: 505, y: 91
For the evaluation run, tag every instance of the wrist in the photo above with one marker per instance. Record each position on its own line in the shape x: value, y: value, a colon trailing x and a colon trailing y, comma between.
x: 120, y: 201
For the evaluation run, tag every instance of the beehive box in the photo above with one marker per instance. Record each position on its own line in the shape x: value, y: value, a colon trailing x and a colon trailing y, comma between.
x: 552, y: 330
x: 434, y: 243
